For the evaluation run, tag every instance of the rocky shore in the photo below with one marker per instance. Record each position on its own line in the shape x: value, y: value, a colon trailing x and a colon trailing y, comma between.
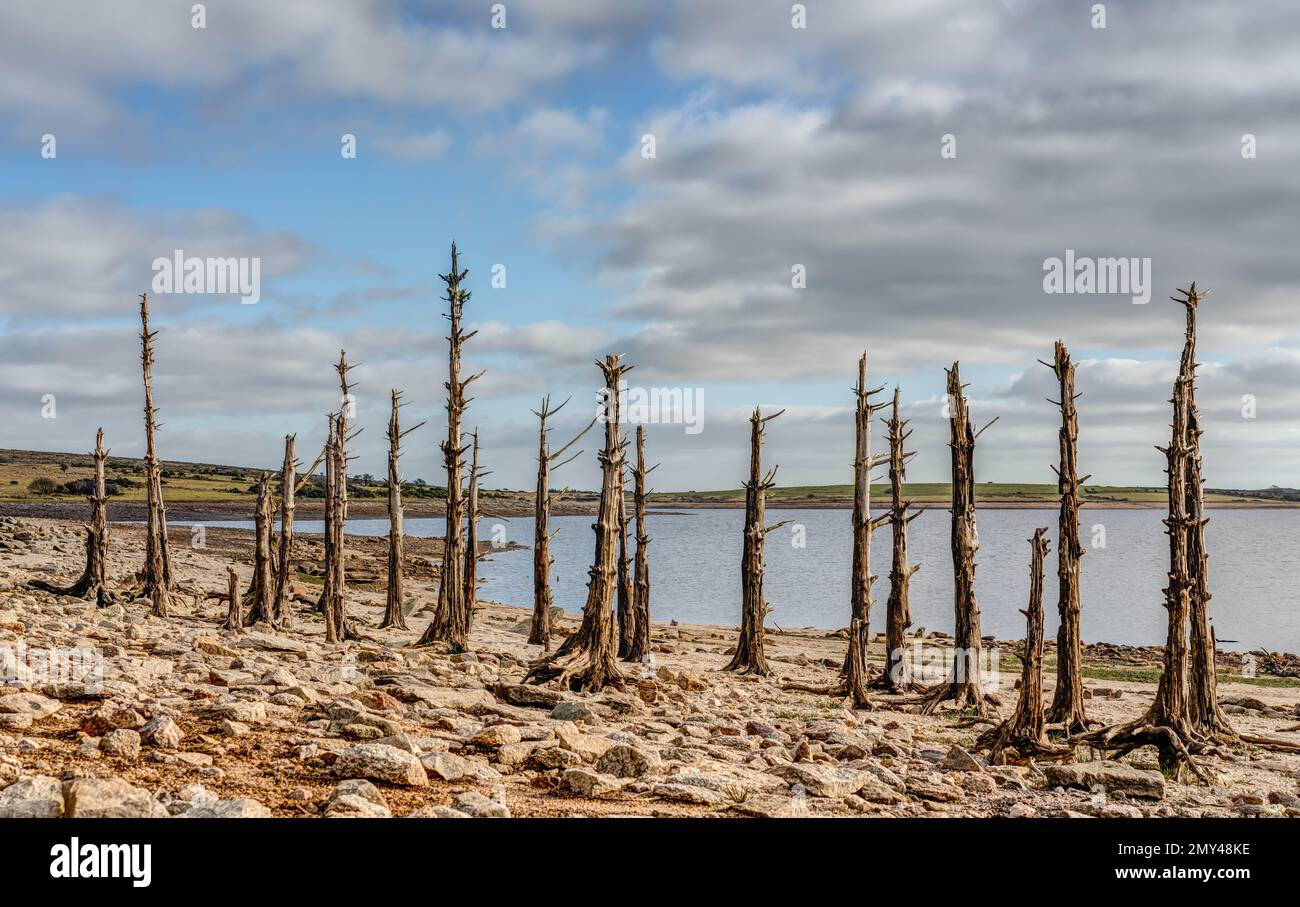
x: 180, y: 718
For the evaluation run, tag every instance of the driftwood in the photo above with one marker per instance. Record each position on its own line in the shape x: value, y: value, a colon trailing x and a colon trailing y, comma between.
x: 1021, y: 737
x: 451, y: 620
x: 92, y: 585
x: 749, y: 657
x: 588, y: 659
x: 897, y: 676
x: 964, y: 685
x: 1067, y: 701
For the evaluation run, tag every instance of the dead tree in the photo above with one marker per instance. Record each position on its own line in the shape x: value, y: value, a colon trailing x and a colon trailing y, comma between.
x: 749, y: 657
x: 626, y: 616
x: 472, y: 515
x: 394, y: 613
x: 288, y: 493
x: 1167, y: 724
x: 1067, y: 701
x: 588, y: 659
x: 235, y: 614
x: 1206, y: 715
x: 964, y: 685
x: 156, y: 578
x: 639, y: 647
x: 92, y: 585
x: 543, y: 601
x: 451, y: 619
x: 1021, y: 738
x: 261, y: 590
x: 898, y: 611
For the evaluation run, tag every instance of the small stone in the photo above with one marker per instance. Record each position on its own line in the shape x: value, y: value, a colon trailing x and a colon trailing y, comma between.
x: 495, y: 735
x: 624, y: 761
x: 687, y: 793
x: 549, y: 758
x: 958, y: 760
x: 122, y: 743
x: 109, y: 798
x: 585, y: 783
x: 574, y: 710
x: 475, y: 804
x: 32, y: 798
x: 162, y: 732
x: 1113, y: 777
x: 242, y: 808
x: 445, y: 766
x: 381, y: 762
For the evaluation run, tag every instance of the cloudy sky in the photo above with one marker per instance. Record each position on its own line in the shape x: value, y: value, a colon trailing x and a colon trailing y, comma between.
x: 774, y: 147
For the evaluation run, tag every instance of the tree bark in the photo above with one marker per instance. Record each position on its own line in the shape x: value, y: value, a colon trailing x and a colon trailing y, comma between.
x: 1067, y: 701
x: 749, y: 657
x: 451, y: 620
x: 639, y: 649
x: 235, y: 614
x: 898, y: 611
x: 261, y: 591
x: 156, y: 578
x: 288, y: 491
x: 471, y: 531
x: 394, y: 605
x: 964, y: 686
x: 588, y: 659
x: 1021, y: 738
x: 543, y: 600
x: 92, y: 584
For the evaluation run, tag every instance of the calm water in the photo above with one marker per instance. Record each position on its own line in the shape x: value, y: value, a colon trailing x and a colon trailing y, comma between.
x: 695, y: 557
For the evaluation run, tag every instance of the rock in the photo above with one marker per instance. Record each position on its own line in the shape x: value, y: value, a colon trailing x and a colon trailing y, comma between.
x: 109, y: 716
x: 436, y: 812
x: 586, y: 783
x: 123, y: 743
x: 589, y: 746
x: 33, y: 705
x: 687, y: 793
x: 269, y: 643
x: 210, y: 646
x: 109, y: 798
x: 821, y: 780
x: 357, y: 798
x: 574, y: 710
x: 162, y: 732
x: 472, y: 803
x: 32, y: 798
x: 549, y: 758
x: 446, y: 766
x: 933, y: 789
x: 234, y: 728
x: 1022, y: 811
x: 243, y: 808
x: 1113, y: 777
x: 624, y: 761
x: 958, y: 760
x: 381, y: 762
x: 495, y: 735
x: 528, y: 695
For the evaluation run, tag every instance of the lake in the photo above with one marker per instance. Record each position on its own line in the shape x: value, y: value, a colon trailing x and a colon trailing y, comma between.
x: 695, y: 558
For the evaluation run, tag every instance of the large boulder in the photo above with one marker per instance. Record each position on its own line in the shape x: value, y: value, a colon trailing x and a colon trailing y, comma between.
x: 625, y: 761
x: 32, y: 798
x: 381, y: 762
x: 109, y: 798
x: 823, y: 780
x: 1111, y: 777
x: 242, y: 808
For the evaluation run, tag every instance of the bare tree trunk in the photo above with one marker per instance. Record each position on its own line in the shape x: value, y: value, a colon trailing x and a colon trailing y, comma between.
x: 639, y: 649
x: 588, y: 659
x: 92, y: 584
x: 471, y: 530
x: 1167, y: 724
x: 749, y: 657
x: 626, y: 616
x: 451, y: 620
x: 235, y: 615
x: 288, y: 489
x: 898, y: 610
x: 261, y: 590
x: 156, y: 579
x: 543, y: 601
x: 1067, y: 701
x: 394, y: 613
x: 327, y: 597
x: 1022, y: 735
x: 964, y: 686
x: 1207, y: 717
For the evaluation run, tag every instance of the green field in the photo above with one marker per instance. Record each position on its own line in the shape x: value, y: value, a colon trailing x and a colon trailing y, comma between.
x: 939, y: 492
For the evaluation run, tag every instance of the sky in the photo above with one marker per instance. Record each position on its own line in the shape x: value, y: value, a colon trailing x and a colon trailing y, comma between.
x: 826, y: 179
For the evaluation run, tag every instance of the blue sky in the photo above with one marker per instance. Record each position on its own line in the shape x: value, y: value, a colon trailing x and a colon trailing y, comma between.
x: 776, y: 146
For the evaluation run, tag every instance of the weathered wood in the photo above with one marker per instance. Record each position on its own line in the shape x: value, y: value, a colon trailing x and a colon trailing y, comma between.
x: 451, y: 620
x: 588, y: 659
x: 261, y: 591
x: 1067, y: 706
x: 897, y: 677
x: 92, y: 584
x: 395, y: 601
x: 235, y: 612
x: 626, y: 614
x: 749, y: 657
x: 280, y: 612
x: 964, y: 685
x: 543, y: 600
x: 156, y: 578
x: 639, y: 648
x: 1021, y: 737
x: 472, y: 515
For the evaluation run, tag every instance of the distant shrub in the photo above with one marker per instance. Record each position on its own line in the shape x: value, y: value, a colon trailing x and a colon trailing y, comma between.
x: 87, y: 487
x: 43, y: 485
